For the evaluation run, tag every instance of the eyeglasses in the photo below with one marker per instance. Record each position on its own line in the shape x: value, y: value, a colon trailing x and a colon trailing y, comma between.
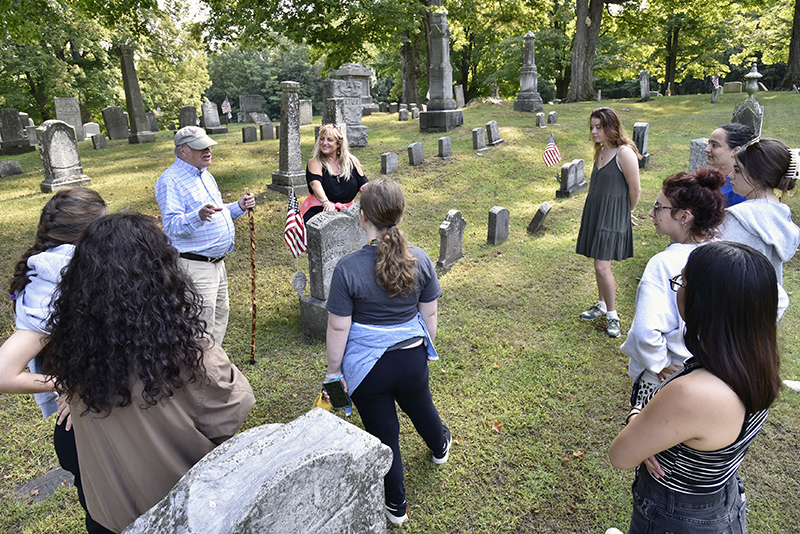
x: 676, y: 282
x: 657, y: 207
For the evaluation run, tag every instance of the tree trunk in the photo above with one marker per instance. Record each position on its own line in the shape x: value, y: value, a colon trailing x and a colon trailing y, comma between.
x: 672, y: 58
x: 409, y: 57
x: 793, y: 71
x: 590, y: 14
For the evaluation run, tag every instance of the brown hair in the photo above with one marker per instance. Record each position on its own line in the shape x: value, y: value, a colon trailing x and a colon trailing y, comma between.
x: 382, y: 202
x: 612, y: 127
x: 698, y: 192
x: 64, y: 220
x: 766, y: 162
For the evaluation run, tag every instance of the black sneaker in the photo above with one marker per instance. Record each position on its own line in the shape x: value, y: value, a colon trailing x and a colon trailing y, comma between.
x: 396, y: 514
x: 448, y: 438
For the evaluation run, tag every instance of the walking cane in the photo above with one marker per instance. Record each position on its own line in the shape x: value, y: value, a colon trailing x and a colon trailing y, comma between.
x: 253, y: 276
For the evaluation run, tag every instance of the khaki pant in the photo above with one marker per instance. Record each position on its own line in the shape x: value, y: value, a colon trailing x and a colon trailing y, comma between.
x: 211, y: 283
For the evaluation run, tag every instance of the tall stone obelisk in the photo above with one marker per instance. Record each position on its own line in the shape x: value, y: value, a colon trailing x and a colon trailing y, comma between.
x: 290, y: 175
x: 529, y: 98
x: 140, y: 126
x: 443, y: 114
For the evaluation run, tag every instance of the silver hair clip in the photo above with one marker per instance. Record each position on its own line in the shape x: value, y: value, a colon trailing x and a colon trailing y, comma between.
x: 793, y: 172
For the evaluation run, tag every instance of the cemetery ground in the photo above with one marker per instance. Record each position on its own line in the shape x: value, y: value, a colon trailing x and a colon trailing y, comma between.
x: 534, y: 396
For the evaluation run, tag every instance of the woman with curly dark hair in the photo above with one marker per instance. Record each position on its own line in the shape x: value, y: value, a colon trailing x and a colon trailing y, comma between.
x: 688, y: 210
x: 381, y: 325
x: 149, y: 397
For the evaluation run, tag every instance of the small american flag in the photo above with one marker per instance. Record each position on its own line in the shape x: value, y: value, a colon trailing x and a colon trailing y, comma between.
x: 551, y: 154
x: 226, y: 106
x: 295, y: 231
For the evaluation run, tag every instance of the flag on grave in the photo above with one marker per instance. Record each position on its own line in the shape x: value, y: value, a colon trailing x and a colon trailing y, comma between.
x: 295, y: 231
x: 551, y: 154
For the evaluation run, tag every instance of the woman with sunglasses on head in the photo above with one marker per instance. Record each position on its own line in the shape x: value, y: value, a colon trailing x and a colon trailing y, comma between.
x: 761, y: 168
x: 722, y: 144
x: 333, y: 174
x: 606, y: 232
x: 688, y: 442
x: 688, y: 210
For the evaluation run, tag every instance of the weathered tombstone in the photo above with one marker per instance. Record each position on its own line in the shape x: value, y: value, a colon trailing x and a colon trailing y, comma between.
x: 58, y: 149
x: 393, y: 107
x: 443, y: 114
x: 750, y: 112
x: 459, y: 96
x: 290, y: 175
x: 415, y: 154
x: 139, y: 125
x: 13, y: 135
x: 478, y: 139
x: 278, y: 132
x: 541, y: 122
x: 10, y: 167
x: 415, y: 113
x: 360, y: 74
x: 91, y: 128
x: 495, y: 92
x: 249, y: 134
x: 572, y: 179
x: 388, y: 163
x: 211, y: 119
x: 99, y: 142
x: 333, y: 113
x: 493, y: 134
x: 26, y: 119
x: 641, y: 134
x: 331, y: 235
x: 402, y: 115
x: 552, y: 117
x: 68, y: 109
x: 305, y: 112
x: 499, y: 221
x: 715, y: 92
x: 267, y: 132
x: 317, y: 473
x: 188, y: 116
x: 402, y: 107
x: 732, y: 87
x: 599, y: 95
x: 30, y: 131
x: 538, y: 219
x: 445, y: 147
x: 451, y: 233
x: 383, y: 107
x: 697, y: 153
x: 152, y: 120
x: 248, y: 103
x: 528, y: 98
x: 127, y: 121
x: 644, y: 85
x: 350, y: 92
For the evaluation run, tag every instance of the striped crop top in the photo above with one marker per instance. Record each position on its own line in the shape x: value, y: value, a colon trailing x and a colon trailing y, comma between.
x: 699, y: 472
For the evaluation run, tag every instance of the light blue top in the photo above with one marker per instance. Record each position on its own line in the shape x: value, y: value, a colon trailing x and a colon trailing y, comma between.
x: 366, y: 344
x: 181, y: 191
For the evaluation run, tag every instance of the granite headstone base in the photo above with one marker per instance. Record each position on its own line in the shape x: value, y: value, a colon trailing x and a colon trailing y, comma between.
x: 440, y: 120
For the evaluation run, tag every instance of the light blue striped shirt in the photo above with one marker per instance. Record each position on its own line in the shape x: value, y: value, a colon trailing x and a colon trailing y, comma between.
x: 181, y: 191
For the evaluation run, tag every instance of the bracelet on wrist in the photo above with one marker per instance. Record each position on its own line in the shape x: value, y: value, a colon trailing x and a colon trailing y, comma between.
x: 334, y: 377
x: 324, y: 201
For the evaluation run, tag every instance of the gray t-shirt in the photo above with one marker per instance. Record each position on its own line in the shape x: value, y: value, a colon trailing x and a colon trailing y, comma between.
x: 354, y: 291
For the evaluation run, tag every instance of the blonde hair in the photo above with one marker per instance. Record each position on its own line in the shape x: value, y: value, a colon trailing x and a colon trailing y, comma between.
x: 347, y: 161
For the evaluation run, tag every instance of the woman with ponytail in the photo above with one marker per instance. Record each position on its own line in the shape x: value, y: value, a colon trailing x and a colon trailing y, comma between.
x: 381, y: 325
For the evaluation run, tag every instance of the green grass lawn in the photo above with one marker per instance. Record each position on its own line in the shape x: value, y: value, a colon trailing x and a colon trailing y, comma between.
x: 513, y: 349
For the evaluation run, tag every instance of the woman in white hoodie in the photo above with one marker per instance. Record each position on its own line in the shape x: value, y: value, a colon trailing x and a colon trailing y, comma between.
x: 761, y: 168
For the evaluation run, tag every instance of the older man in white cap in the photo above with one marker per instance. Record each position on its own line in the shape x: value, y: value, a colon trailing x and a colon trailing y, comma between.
x: 199, y: 224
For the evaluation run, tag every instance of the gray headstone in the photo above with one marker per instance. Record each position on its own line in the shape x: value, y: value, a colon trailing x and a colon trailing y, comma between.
x: 572, y: 179
x: 99, y: 141
x: 538, y: 219
x: 278, y: 132
x: 58, y: 149
x: 495, y: 92
x: 249, y: 134
x: 334, y: 113
x: 403, y: 107
x: 31, y: 133
x: 459, y: 95
x: 402, y: 115
x: 697, y: 154
x: 451, y: 233
x: 139, y: 125
x: 317, y: 473
x: 415, y: 154
x: 383, y: 107
x: 13, y: 134
x: 751, y: 114
x: 305, y: 112
x: 152, y: 120
x: 69, y: 110
x: 540, y: 120
x: 599, y: 95
x: 529, y: 98
x: 26, y: 119
x: 10, y: 167
x: 644, y: 85
x: 478, y: 139
x: 350, y: 91
x: 442, y: 113
x: 91, y: 128
x: 499, y: 221
x: 641, y: 134
x: 493, y: 134
x: 188, y: 116
x: 552, y: 117
x: 732, y: 87
x: 361, y: 74
x: 248, y: 104
x: 211, y: 119
x: 445, y: 147
x: 654, y: 94
x: 290, y: 175
x: 715, y: 92
x: 267, y: 131
x: 415, y: 113
x: 388, y: 163
x: 393, y: 107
